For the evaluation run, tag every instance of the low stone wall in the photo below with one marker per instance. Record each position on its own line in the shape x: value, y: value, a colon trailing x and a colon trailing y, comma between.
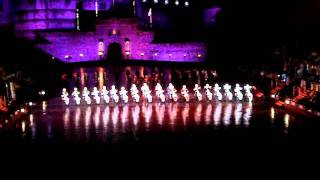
x: 83, y: 46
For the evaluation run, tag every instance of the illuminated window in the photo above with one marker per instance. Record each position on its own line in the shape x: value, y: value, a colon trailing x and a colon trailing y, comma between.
x: 101, y: 47
x: 114, y: 32
x: 127, y: 47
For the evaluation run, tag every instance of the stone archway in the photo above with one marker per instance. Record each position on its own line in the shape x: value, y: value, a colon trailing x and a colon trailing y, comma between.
x: 114, y: 52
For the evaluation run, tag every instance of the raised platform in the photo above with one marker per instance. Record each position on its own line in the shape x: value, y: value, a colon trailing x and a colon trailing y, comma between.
x: 76, y: 46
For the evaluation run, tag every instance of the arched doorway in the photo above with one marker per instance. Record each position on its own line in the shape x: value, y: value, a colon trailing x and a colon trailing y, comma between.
x: 114, y: 53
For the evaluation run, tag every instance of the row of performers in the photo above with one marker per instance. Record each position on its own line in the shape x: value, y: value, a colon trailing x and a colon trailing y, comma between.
x: 239, y: 94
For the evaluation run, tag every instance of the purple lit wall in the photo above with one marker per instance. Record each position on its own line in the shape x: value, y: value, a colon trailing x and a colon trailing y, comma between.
x: 45, y: 14
x: 56, y: 14
x: 210, y: 15
x: 6, y: 12
x: 103, y: 5
x: 83, y: 46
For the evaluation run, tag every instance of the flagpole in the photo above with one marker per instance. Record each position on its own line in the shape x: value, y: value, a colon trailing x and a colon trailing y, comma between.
x: 150, y: 17
x: 134, y: 7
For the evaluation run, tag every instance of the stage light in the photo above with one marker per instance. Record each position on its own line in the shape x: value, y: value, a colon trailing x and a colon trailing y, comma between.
x: 199, y: 55
x: 186, y: 4
x: 52, y: 58
x: 144, y: 1
x: 23, y: 126
x: 287, y: 120
x: 155, y: 54
x: 177, y: 3
x: 127, y: 52
x: 142, y: 54
x: 42, y: 93
x: 155, y: 1
x: 81, y: 55
x: 166, y: 2
x: 31, y: 119
x: 184, y: 55
x: 44, y: 106
x: 170, y: 55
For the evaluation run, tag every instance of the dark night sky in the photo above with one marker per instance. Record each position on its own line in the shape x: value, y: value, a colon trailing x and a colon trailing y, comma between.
x: 250, y: 30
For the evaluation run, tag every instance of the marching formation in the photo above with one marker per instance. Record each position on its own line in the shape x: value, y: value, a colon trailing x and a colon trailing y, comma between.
x: 209, y: 93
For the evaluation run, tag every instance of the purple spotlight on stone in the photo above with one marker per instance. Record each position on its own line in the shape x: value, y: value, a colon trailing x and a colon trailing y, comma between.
x: 63, y: 43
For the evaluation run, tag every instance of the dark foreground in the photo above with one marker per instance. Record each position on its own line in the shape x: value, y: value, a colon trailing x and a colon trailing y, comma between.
x: 214, y: 125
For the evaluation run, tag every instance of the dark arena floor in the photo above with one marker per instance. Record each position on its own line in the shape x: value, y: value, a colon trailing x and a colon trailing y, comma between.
x: 209, y: 124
